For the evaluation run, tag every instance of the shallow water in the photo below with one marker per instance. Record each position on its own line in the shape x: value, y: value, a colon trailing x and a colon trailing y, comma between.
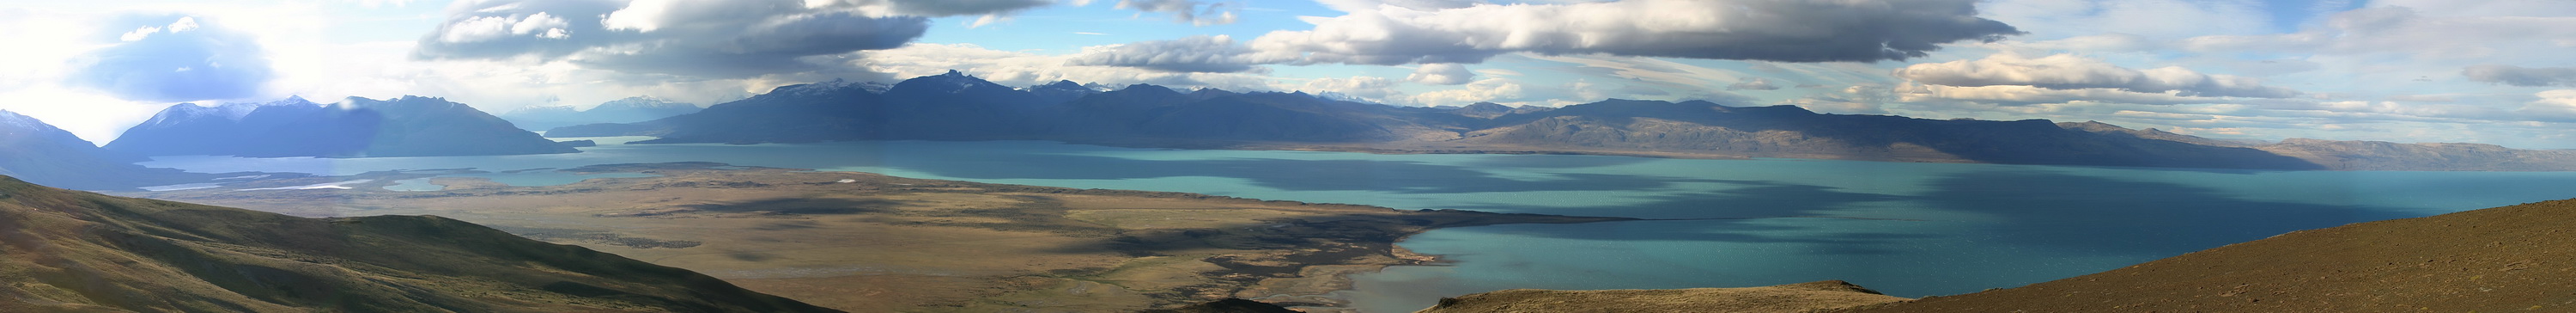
x: 1908, y: 229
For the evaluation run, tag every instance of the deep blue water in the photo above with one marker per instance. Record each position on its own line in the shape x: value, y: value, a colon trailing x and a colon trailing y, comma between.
x: 1908, y: 229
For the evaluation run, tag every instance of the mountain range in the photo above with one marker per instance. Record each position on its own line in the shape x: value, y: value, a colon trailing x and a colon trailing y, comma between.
x: 39, y: 152
x: 954, y: 106
x: 628, y: 110
x: 356, y: 127
x: 70, y: 251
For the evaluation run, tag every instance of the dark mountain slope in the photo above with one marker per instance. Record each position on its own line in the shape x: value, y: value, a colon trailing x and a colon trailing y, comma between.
x: 359, y: 127
x: 1789, y: 131
x: 77, y: 251
x: 958, y: 107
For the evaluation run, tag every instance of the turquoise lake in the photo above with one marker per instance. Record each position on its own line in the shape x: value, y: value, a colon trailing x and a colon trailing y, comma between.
x: 1908, y: 229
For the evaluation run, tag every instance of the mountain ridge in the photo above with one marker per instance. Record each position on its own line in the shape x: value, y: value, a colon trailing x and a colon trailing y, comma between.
x: 627, y: 110
x: 955, y: 106
x: 41, y: 153
x: 355, y: 127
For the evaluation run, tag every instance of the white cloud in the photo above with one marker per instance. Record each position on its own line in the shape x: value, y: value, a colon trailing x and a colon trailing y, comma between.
x: 1201, y: 13
x: 1795, y: 31
x: 1849, y: 100
x: 1424, y: 32
x: 1487, y: 90
x: 1371, y: 88
x: 1202, y: 54
x: 2407, y: 31
x: 2521, y: 76
x: 1755, y: 83
x: 724, y: 39
x: 2025, y: 95
x: 1013, y: 68
x: 1442, y: 74
x: 2554, y: 105
x: 2067, y: 72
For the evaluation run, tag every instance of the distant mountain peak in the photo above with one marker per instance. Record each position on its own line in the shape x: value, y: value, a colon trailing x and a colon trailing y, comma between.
x: 951, y: 82
x: 16, y: 121
x: 640, y: 102
x: 1065, y: 85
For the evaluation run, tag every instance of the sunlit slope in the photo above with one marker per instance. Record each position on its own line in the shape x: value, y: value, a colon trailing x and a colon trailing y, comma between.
x: 69, y: 251
x: 2513, y: 258
x: 2505, y: 259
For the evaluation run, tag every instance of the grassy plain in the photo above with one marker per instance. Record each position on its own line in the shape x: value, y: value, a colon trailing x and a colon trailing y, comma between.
x: 873, y: 243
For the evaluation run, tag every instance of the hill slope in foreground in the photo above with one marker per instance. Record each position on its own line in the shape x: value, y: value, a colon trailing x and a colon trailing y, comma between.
x: 2513, y: 258
x: 69, y: 251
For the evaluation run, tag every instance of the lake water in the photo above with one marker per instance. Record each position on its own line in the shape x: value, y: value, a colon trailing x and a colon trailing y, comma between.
x: 1908, y: 229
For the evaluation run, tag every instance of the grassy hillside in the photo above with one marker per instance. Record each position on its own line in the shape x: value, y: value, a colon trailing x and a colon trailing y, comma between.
x: 70, y: 251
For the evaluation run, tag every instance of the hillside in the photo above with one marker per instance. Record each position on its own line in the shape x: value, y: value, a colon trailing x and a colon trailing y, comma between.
x: 2510, y: 258
x: 1800, y: 297
x: 68, y: 251
x: 357, y: 127
x: 2501, y: 259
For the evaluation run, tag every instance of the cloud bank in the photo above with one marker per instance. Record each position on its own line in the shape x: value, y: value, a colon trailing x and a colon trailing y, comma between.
x: 172, y: 58
x: 2070, y: 72
x: 1429, y: 32
x: 2521, y: 76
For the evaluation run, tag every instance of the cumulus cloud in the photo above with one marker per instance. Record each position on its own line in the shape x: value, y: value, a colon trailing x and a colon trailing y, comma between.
x: 172, y: 58
x: 1753, y: 83
x: 1850, y: 100
x: 1194, y: 12
x: 2069, y: 72
x: 1442, y: 74
x: 2027, y: 95
x: 1012, y: 68
x: 1773, y: 30
x: 1385, y: 32
x: 1199, y: 54
x: 2554, y: 105
x: 1360, y: 5
x: 2521, y: 76
x: 2436, y: 32
x: 692, y: 38
x: 1487, y: 90
x: 1371, y: 88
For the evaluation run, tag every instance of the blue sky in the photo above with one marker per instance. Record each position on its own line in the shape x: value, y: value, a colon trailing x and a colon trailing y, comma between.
x: 2394, y: 70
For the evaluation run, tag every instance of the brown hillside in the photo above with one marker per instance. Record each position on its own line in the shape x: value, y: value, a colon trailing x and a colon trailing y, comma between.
x: 1800, y: 297
x: 2514, y: 258
x: 69, y: 251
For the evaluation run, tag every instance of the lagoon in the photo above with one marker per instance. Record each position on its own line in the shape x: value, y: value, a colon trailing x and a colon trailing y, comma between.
x: 1908, y: 229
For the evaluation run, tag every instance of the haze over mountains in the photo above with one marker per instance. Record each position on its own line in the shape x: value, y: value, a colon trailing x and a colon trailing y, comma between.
x: 69, y: 251
x: 954, y: 106
x: 356, y: 127
x: 628, y: 110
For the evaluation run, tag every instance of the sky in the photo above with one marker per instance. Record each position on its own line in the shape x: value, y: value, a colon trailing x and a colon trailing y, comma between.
x: 2496, y: 72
